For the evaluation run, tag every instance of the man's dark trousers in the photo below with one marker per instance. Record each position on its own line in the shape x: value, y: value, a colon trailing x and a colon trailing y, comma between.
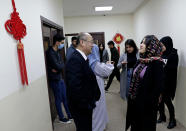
x: 59, y: 90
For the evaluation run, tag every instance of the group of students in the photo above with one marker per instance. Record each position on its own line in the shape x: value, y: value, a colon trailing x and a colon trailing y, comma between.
x: 148, y: 80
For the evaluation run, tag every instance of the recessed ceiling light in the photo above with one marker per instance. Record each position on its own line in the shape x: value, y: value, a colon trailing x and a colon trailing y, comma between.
x: 104, y: 8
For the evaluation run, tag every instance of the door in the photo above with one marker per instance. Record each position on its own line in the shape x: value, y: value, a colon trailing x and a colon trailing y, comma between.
x: 49, y: 29
x: 99, y: 37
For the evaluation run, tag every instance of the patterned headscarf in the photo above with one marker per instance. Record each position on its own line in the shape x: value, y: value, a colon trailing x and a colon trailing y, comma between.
x: 153, y: 52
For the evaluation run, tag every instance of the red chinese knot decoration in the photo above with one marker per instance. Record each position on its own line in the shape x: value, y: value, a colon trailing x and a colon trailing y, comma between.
x: 118, y: 38
x: 15, y: 27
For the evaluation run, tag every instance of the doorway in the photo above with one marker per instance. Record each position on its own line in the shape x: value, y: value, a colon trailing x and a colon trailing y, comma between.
x: 49, y: 29
x: 99, y: 37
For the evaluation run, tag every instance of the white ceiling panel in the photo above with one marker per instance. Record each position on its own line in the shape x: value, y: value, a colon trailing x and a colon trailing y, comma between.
x: 86, y: 7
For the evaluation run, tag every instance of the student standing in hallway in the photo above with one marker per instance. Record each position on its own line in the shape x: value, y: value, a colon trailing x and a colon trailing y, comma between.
x: 83, y: 90
x: 146, y: 85
x: 103, y: 53
x: 114, y: 58
x: 72, y: 48
x: 170, y: 57
x: 54, y: 69
x: 127, y: 62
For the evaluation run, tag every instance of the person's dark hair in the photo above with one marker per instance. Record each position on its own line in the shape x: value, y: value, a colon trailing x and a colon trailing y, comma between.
x: 101, y: 45
x: 148, y: 39
x: 131, y: 43
x: 111, y: 43
x: 57, y: 38
x: 73, y: 38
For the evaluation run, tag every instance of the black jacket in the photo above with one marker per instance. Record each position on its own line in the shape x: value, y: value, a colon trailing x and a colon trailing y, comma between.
x: 104, y: 57
x: 82, y: 87
x: 54, y: 61
x: 142, y: 112
x: 170, y: 70
x: 170, y: 74
x: 114, y: 56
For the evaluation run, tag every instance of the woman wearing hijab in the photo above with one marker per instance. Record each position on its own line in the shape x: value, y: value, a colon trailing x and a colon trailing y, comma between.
x: 127, y: 62
x: 146, y: 85
x: 170, y: 57
x: 101, y: 70
x: 103, y: 53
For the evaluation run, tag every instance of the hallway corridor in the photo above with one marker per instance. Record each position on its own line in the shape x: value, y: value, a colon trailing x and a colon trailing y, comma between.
x: 117, y: 112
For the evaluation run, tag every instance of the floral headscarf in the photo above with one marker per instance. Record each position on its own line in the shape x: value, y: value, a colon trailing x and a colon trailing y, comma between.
x: 153, y: 52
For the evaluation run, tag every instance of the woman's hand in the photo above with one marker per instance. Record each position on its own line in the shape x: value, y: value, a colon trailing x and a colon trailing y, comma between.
x: 110, y: 62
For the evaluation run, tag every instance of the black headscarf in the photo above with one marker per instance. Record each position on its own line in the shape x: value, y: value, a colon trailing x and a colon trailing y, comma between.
x: 167, y: 41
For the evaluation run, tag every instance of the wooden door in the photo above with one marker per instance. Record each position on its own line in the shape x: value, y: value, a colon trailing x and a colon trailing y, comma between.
x: 49, y: 29
x: 99, y: 37
x: 47, y: 42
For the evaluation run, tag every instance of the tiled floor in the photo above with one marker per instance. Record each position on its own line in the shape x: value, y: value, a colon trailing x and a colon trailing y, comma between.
x: 117, y: 112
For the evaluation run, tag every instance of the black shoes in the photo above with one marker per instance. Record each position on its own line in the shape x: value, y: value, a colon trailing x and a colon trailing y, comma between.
x: 161, y: 119
x: 70, y: 118
x: 172, y: 124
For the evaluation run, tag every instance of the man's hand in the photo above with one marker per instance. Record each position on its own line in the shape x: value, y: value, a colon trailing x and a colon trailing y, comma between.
x: 54, y: 71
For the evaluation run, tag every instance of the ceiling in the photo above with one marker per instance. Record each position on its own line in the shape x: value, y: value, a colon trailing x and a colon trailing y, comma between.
x: 86, y: 7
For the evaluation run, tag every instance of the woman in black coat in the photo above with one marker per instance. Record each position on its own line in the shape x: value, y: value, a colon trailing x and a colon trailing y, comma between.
x: 170, y: 57
x: 146, y: 85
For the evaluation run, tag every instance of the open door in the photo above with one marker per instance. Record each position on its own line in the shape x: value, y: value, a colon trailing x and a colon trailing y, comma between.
x: 99, y: 37
x: 49, y: 29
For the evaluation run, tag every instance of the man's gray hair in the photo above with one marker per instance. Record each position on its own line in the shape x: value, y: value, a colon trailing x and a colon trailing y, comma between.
x: 82, y: 36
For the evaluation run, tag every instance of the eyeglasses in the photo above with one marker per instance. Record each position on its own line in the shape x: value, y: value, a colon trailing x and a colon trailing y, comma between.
x: 89, y: 41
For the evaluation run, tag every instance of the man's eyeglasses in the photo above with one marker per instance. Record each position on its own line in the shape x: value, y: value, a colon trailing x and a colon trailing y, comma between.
x: 89, y: 41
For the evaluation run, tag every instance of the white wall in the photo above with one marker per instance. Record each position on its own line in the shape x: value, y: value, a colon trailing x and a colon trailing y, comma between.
x: 10, y: 82
x: 30, y: 12
x: 162, y: 18
x: 108, y: 24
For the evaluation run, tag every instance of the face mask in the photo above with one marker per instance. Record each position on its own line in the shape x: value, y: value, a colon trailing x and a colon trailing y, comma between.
x: 61, y: 46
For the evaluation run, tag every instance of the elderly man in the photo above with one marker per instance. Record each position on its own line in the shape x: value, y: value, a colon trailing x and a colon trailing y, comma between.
x: 83, y: 90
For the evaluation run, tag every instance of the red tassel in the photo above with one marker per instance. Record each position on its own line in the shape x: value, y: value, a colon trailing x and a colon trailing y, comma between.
x: 22, y: 64
x: 119, y: 49
x: 24, y: 67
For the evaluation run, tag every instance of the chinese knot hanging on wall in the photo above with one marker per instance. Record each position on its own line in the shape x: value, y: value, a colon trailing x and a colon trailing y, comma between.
x: 15, y: 27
